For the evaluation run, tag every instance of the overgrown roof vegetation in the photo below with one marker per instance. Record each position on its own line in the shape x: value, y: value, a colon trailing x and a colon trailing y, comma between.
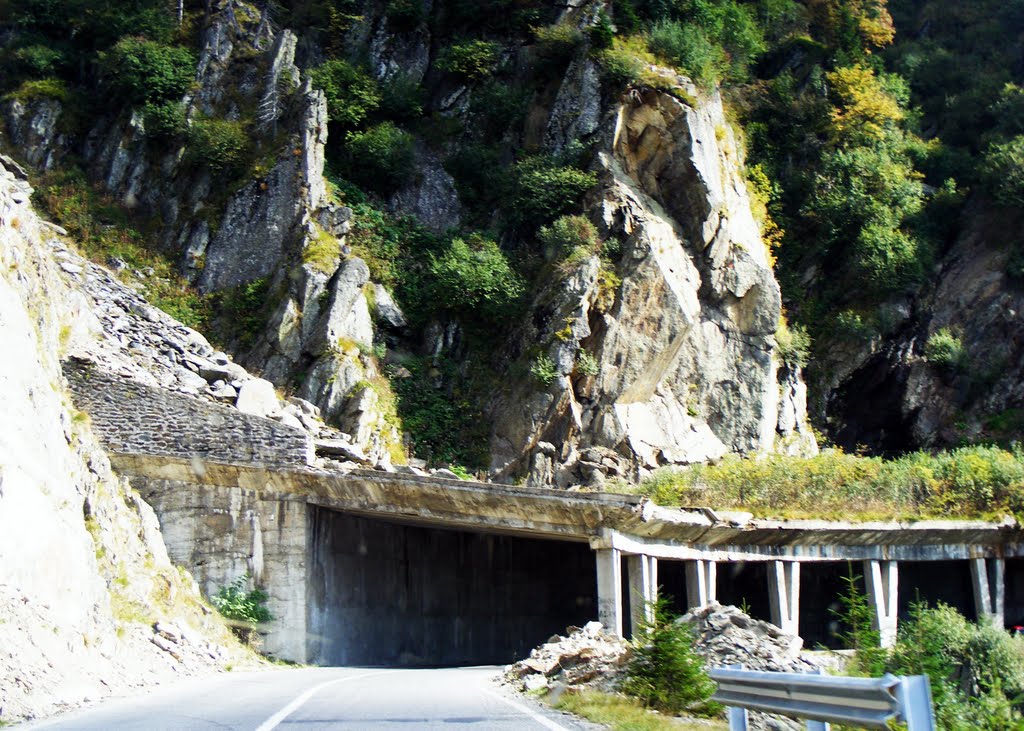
x: 970, y: 482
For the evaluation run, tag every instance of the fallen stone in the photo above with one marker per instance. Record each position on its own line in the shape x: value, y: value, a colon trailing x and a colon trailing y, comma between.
x: 257, y: 397
x: 342, y: 449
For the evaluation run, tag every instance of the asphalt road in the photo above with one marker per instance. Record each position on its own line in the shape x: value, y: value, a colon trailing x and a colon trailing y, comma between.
x: 324, y: 698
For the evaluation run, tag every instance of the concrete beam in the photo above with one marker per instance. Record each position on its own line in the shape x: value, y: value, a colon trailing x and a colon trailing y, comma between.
x: 701, y: 583
x: 609, y: 589
x: 882, y: 579
x: 989, y: 588
x: 643, y: 588
x: 784, y: 595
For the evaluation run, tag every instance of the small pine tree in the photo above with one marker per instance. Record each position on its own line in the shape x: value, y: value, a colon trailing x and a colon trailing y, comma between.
x: 666, y: 673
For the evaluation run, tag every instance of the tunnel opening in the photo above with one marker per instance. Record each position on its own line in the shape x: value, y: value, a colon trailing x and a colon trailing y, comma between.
x: 387, y: 593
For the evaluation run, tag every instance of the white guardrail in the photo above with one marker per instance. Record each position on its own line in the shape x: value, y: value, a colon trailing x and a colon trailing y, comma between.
x: 825, y: 699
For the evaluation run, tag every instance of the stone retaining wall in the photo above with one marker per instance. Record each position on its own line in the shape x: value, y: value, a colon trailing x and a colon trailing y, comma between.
x: 133, y: 418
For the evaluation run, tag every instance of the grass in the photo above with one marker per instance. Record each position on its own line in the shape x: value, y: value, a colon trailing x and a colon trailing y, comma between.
x: 623, y: 713
x: 978, y: 482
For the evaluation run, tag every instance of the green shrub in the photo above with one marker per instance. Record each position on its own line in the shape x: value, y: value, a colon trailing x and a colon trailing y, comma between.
x: 38, y: 60
x: 404, y: 15
x: 140, y: 71
x: 473, y: 60
x: 30, y: 91
x: 945, y: 350
x: 567, y: 234
x: 602, y: 32
x: 689, y: 49
x: 351, y: 94
x: 401, y: 98
x: 474, y: 275
x: 234, y: 602
x: 555, y: 45
x: 586, y: 364
x: 164, y: 121
x: 665, y: 672
x: 792, y: 344
x: 220, y: 145
x: 242, y: 312
x: 1003, y: 171
x: 623, y: 63
x: 544, y: 370
x: 543, y: 190
x: 380, y: 158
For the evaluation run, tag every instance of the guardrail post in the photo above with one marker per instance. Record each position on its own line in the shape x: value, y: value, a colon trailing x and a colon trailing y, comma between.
x: 701, y: 583
x: 737, y: 718
x: 609, y: 589
x: 915, y: 697
x: 643, y: 588
x: 882, y: 580
x: 989, y: 589
x: 784, y: 593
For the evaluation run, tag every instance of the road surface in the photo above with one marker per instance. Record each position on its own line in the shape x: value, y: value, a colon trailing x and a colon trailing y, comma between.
x: 324, y: 698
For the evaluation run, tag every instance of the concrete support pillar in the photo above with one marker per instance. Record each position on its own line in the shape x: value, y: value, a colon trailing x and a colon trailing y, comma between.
x: 989, y: 588
x: 609, y: 590
x: 643, y: 588
x: 701, y: 583
x: 881, y: 578
x: 784, y: 595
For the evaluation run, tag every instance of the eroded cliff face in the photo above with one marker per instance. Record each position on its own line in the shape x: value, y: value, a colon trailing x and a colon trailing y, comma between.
x: 679, y: 328
x: 685, y: 370
x: 90, y: 602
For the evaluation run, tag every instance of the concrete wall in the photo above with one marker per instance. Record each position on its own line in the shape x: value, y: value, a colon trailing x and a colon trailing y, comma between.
x: 130, y: 417
x: 385, y: 593
x: 220, y: 533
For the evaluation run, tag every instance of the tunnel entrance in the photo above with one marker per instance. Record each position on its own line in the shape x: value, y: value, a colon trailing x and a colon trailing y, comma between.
x: 389, y: 593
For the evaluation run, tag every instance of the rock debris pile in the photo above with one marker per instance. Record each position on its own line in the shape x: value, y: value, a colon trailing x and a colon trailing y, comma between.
x: 587, y: 656
x: 725, y: 635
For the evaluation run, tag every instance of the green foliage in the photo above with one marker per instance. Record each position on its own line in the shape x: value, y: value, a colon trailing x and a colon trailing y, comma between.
x: 404, y: 15
x: 242, y: 313
x: 556, y: 45
x: 544, y: 370
x: 602, y: 32
x: 401, y: 99
x: 380, y: 158
x: 164, y: 121
x: 855, y: 616
x: 141, y: 71
x: 586, y: 364
x: 235, y: 603
x: 567, y: 235
x: 30, y: 91
x: 37, y: 60
x: 620, y: 65
x: 624, y: 713
x: 793, y: 344
x: 220, y: 145
x: 665, y: 672
x: 351, y: 94
x: 321, y: 252
x: 472, y: 60
x: 472, y: 274
x: 1003, y: 171
x: 946, y: 350
x: 543, y: 189
x: 976, y: 481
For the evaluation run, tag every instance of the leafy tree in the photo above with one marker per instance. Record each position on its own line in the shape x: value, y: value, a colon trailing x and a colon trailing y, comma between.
x: 351, y: 94
x: 543, y: 189
x: 221, y: 145
x: 1003, y: 171
x: 474, y: 275
x: 472, y: 60
x: 141, y: 71
x: 380, y: 158
x: 863, y: 111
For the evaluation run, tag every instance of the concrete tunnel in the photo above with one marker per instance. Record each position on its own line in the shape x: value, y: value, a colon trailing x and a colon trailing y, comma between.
x: 382, y: 592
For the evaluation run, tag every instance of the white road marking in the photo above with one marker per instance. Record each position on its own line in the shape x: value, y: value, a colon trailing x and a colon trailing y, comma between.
x: 545, y: 722
x: 274, y: 721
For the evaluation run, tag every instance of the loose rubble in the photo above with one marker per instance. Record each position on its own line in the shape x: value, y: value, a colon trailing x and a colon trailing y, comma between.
x: 585, y: 657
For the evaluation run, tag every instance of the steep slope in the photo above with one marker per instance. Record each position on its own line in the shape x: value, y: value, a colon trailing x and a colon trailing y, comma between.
x: 89, y: 600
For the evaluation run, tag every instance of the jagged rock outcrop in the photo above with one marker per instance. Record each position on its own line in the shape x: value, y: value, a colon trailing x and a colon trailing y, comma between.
x: 683, y: 367
x: 586, y: 656
x: 87, y: 593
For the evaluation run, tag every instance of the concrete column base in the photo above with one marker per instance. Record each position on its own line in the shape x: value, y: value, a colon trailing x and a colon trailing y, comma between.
x: 643, y: 588
x: 882, y: 579
x: 701, y: 583
x: 784, y: 595
x: 609, y: 589
x: 989, y: 588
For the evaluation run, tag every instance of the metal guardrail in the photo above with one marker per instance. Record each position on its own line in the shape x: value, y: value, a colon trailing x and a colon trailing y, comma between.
x: 824, y: 699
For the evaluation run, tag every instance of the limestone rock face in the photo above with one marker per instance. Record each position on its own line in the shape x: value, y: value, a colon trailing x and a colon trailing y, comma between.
x: 84, y: 573
x: 682, y: 369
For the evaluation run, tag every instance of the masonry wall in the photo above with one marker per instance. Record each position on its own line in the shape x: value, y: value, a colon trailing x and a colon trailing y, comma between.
x: 221, y: 533
x: 382, y: 593
x: 133, y: 418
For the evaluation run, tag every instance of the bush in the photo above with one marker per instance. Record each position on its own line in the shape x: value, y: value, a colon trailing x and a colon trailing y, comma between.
x: 164, y: 121
x: 31, y: 91
x: 380, y: 158
x: 665, y: 672
x: 690, y: 50
x: 945, y: 350
x: 473, y: 60
x: 602, y: 32
x: 141, y: 71
x: 474, y: 275
x: 1003, y: 171
x: 234, y: 602
x: 792, y: 344
x: 567, y: 234
x: 556, y: 44
x: 351, y: 94
x: 401, y: 98
x: 221, y: 145
x: 544, y: 370
x: 544, y: 190
x: 586, y: 364
x: 37, y: 60
x: 623, y: 63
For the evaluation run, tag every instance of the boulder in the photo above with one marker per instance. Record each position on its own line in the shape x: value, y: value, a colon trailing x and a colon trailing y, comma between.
x: 257, y: 397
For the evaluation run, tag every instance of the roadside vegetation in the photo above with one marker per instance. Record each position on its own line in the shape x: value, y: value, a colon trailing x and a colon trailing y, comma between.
x: 970, y: 482
x: 976, y: 671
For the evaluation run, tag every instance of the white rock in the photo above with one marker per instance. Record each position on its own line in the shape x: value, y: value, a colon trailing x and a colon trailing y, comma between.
x: 257, y: 397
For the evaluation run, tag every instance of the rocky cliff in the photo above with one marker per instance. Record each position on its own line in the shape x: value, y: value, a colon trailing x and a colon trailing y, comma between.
x: 90, y: 602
